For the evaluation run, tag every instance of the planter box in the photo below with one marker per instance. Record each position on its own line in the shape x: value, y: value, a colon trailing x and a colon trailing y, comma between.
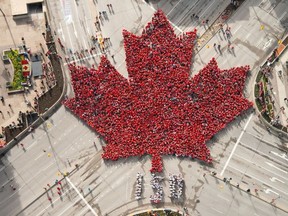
x: 16, y: 91
x: 5, y: 59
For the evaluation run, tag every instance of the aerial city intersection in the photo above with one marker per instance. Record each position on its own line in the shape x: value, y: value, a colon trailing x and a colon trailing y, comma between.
x: 138, y: 107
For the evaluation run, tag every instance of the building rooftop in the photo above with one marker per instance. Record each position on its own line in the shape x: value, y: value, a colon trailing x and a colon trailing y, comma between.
x: 20, y: 7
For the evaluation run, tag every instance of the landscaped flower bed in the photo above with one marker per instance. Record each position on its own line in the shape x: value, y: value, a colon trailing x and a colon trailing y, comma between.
x: 158, y: 213
x: 264, y: 100
x: 18, y: 76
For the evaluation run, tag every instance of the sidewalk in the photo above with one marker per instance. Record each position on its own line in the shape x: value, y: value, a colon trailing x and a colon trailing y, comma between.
x: 280, y: 84
x: 271, y: 91
x: 12, y: 33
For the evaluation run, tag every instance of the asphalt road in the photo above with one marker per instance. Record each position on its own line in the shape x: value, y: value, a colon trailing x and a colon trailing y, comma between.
x: 244, y: 151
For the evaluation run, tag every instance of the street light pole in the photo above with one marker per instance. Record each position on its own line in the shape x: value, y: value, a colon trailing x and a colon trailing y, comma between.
x: 2, y: 12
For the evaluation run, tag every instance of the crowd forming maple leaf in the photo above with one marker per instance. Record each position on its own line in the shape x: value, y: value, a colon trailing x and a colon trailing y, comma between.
x: 159, y: 110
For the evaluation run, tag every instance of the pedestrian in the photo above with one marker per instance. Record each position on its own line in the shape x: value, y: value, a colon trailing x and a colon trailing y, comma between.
x: 219, y: 47
x: 112, y: 56
x: 215, y: 47
x: 22, y: 145
x: 48, y: 185
x: 58, y: 188
x: 49, y: 198
x: 59, y: 193
x: 45, y: 188
x: 204, y: 174
x: 237, y: 185
x: 44, y: 150
x: 60, y: 183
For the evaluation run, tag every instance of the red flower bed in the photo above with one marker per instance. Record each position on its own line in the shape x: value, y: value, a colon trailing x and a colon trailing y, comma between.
x: 159, y: 110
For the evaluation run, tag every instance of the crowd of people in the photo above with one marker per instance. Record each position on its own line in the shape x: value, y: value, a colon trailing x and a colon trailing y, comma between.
x: 176, y: 185
x: 139, y: 184
x: 159, y: 110
x: 158, y: 189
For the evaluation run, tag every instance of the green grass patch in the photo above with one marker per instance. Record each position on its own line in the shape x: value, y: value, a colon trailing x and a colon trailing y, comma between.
x: 18, y: 78
x: 259, y: 105
x: 256, y: 90
x: 259, y: 76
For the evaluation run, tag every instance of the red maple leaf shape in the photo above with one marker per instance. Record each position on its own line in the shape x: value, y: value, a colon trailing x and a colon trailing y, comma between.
x: 159, y: 110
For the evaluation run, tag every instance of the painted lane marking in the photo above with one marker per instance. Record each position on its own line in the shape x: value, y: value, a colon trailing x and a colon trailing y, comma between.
x: 272, y: 165
x: 235, y: 146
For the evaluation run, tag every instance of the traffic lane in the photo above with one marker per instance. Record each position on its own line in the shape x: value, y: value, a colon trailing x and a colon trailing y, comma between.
x: 245, y: 41
x: 231, y: 201
x: 101, y: 187
x: 78, y: 27
x: 268, y: 169
x: 85, y: 12
x: 261, y: 164
x: 44, y: 179
x: 255, y: 177
x: 264, y: 148
x: 14, y: 201
x: 181, y: 14
x: 55, y: 206
x: 243, y: 54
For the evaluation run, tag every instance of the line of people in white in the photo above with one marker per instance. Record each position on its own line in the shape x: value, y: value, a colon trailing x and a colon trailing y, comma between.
x: 139, y: 184
x: 176, y: 184
x: 157, y: 187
